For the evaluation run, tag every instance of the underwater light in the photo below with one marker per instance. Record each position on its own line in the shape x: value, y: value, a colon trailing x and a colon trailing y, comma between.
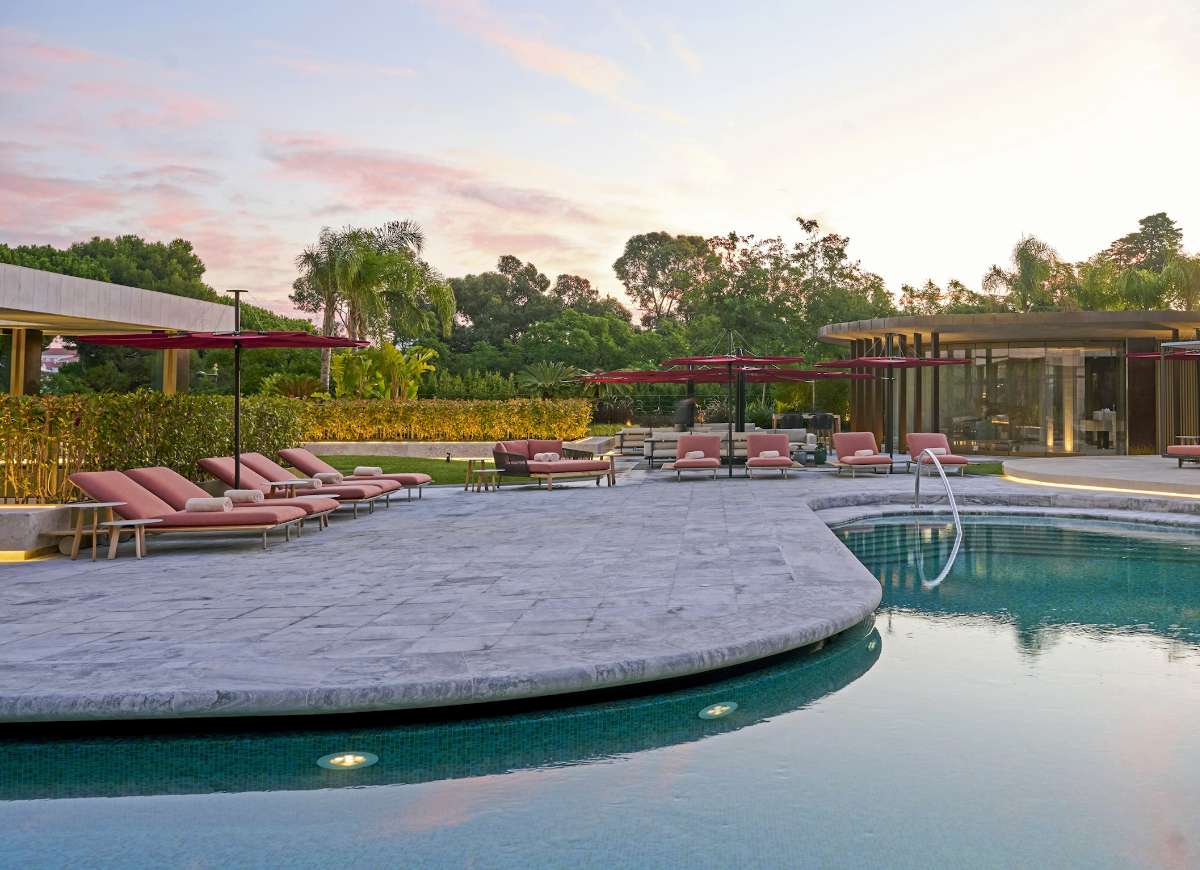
x: 716, y: 711
x: 347, y: 760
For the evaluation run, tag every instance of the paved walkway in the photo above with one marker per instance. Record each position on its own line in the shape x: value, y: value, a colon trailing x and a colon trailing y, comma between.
x: 1151, y: 474
x: 458, y: 598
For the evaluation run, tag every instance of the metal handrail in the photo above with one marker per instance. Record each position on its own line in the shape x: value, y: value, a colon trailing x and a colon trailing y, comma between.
x: 958, y: 529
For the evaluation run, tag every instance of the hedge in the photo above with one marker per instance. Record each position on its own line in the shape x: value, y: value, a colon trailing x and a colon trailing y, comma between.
x: 446, y: 420
x: 43, y: 439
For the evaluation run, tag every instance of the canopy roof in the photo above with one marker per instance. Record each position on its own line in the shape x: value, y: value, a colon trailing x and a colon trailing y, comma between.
x: 733, y: 359
x: 892, y: 362
x: 211, y: 340
x: 719, y: 376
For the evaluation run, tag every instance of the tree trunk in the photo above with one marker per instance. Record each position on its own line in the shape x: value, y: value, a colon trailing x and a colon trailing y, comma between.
x: 327, y: 324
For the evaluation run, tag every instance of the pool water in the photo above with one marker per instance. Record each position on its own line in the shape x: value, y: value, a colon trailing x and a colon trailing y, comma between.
x: 1038, y: 708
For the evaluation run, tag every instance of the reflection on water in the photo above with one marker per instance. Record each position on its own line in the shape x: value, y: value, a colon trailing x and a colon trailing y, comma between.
x: 197, y: 764
x: 1040, y: 575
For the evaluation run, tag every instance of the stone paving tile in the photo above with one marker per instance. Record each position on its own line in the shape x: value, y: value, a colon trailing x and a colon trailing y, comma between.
x: 459, y: 589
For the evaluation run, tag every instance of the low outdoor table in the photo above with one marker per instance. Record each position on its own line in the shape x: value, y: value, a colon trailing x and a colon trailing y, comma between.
x: 138, y: 527
x: 474, y: 467
x: 289, y: 487
x: 95, y: 507
x: 486, y: 478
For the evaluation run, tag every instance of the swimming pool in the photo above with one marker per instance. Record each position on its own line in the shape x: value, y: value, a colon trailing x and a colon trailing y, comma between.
x: 1037, y: 708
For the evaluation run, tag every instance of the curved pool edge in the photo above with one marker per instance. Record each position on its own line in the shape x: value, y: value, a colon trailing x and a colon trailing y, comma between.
x: 831, y: 592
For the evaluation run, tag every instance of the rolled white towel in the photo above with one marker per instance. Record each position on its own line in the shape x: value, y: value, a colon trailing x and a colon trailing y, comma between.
x: 306, y: 483
x: 333, y: 477
x: 546, y: 457
x: 769, y: 454
x: 244, y: 496
x: 938, y: 451
x: 864, y: 452
x: 368, y: 471
x: 694, y: 454
x: 208, y: 505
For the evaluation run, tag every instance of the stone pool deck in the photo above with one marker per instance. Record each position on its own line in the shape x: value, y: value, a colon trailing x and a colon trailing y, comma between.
x: 458, y: 598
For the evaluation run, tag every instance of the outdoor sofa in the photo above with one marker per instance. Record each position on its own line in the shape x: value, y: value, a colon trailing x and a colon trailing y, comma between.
x: 857, y: 451
x: 354, y: 495
x: 309, y: 463
x: 918, y: 442
x: 139, y: 503
x: 518, y: 459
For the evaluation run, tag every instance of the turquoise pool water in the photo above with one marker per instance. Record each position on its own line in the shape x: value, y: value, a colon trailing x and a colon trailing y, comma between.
x: 1039, y: 708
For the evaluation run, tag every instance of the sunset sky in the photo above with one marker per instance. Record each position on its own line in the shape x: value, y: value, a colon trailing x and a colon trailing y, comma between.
x: 933, y: 134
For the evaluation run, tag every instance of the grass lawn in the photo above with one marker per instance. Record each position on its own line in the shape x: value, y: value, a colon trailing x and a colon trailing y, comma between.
x: 985, y: 468
x: 440, y: 470
x: 605, y: 428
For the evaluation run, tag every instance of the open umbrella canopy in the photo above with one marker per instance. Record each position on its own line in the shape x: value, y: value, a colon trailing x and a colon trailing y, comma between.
x: 719, y: 376
x: 731, y: 359
x: 219, y: 340
x: 237, y: 341
x: 895, y: 362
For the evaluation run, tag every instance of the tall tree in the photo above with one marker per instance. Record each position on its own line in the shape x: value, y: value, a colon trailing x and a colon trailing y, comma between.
x: 1156, y: 241
x: 657, y: 269
x: 1027, y: 285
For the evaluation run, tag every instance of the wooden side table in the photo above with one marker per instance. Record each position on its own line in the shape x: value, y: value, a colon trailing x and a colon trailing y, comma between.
x: 486, y: 479
x: 138, y: 527
x: 95, y: 507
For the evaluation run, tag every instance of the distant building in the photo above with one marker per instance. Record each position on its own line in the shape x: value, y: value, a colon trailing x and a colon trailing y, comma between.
x: 54, y: 358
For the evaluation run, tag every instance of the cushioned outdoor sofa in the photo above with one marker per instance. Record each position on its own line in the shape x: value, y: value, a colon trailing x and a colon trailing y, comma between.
x: 918, y: 442
x: 519, y: 459
x: 138, y: 503
x: 857, y: 451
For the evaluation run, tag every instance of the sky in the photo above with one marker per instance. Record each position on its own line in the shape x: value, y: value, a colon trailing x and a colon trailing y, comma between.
x: 932, y: 134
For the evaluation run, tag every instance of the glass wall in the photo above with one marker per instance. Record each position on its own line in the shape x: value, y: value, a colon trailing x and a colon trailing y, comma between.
x: 1032, y: 399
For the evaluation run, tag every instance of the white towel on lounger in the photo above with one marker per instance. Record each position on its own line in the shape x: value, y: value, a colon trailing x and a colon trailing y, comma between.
x: 306, y: 483
x: 546, y: 457
x: 769, y: 454
x: 694, y: 454
x: 244, y: 496
x: 367, y: 471
x: 864, y: 452
x: 208, y: 505
x: 333, y: 477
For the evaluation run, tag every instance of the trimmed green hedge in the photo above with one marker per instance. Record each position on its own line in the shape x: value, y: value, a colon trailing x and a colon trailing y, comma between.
x: 43, y: 439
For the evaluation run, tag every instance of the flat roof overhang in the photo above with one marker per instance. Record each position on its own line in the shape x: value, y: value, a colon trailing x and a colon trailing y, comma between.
x: 1035, y: 326
x: 65, y: 305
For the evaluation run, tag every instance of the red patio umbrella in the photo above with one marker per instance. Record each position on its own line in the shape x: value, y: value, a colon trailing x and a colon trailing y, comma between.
x: 235, y: 340
x: 891, y: 363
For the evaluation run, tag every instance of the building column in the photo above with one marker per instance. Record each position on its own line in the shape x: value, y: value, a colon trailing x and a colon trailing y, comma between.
x: 25, y: 364
x: 918, y: 384
x: 935, y: 422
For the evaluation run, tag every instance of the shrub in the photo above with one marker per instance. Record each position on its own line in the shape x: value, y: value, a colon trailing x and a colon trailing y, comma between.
x: 43, y: 439
x: 446, y: 420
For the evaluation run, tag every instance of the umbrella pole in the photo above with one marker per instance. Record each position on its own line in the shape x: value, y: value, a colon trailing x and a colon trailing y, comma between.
x: 729, y: 416
x: 237, y: 390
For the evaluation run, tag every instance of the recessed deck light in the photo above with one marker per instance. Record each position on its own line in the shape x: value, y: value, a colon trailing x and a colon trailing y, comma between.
x: 347, y: 760
x: 718, y: 710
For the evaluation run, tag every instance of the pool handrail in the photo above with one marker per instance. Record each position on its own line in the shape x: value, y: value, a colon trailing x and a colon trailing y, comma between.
x: 958, y: 529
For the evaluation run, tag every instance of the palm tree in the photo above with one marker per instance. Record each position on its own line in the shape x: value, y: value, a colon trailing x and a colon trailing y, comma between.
x: 1182, y: 275
x: 545, y: 380
x: 401, y: 370
x: 1026, y: 286
x: 323, y: 269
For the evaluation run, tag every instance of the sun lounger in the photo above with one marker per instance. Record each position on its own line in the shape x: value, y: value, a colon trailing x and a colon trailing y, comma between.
x: 709, y: 445
x: 274, y: 472
x: 311, y: 464
x: 1184, y: 453
x: 354, y: 495
x: 175, y: 489
x: 921, y: 441
x: 757, y: 444
x: 141, y: 504
x: 852, y: 453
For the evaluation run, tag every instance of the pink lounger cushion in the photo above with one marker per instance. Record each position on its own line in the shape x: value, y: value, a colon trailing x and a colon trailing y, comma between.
x: 221, y: 467
x: 707, y: 462
x: 309, y: 463
x: 946, y: 459
x: 271, y: 470
x: 141, y: 504
x: 709, y: 444
x: 567, y: 466
x: 175, y: 489
x: 846, y: 444
x: 769, y: 462
x: 1183, y: 450
x: 920, y: 441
